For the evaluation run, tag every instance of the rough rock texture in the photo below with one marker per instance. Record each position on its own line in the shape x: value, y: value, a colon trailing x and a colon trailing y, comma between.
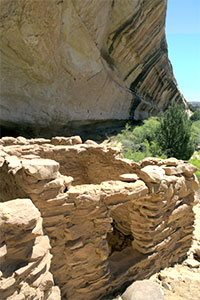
x: 143, y: 289
x: 105, y: 230
x: 182, y: 281
x: 24, y: 254
x: 68, y: 62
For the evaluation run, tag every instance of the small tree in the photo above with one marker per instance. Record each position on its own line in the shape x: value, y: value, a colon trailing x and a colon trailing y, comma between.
x: 174, y: 133
x: 195, y: 116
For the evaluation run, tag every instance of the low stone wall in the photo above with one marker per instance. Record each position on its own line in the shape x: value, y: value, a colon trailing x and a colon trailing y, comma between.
x: 87, y: 163
x: 125, y: 222
x: 24, y: 254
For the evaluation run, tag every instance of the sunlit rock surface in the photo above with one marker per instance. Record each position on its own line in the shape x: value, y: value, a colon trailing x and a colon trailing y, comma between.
x: 109, y: 220
x: 67, y: 63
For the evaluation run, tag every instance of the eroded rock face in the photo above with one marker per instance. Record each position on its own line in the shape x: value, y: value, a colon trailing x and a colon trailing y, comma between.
x: 115, y: 221
x: 70, y: 62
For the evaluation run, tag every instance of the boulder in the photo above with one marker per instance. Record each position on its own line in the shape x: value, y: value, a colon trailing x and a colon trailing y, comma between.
x: 143, y: 290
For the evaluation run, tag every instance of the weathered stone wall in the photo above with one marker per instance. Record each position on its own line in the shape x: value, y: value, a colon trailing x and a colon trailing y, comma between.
x: 24, y: 254
x: 68, y: 62
x: 75, y: 159
x: 107, y: 229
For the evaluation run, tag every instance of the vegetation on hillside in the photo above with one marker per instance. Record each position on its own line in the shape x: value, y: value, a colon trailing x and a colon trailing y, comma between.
x: 195, y: 116
x: 172, y: 134
x: 195, y: 160
x: 196, y: 133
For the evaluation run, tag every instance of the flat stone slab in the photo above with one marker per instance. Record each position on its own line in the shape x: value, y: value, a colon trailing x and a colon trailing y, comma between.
x: 41, y: 168
x: 128, y: 177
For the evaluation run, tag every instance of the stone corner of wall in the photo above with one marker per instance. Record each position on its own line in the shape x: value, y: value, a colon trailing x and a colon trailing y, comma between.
x: 24, y: 253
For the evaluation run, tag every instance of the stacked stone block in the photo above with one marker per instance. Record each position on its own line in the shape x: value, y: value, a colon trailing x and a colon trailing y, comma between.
x: 24, y: 254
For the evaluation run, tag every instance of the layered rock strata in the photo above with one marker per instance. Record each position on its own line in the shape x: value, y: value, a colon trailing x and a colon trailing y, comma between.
x: 67, y: 63
x: 113, y: 221
x: 24, y: 254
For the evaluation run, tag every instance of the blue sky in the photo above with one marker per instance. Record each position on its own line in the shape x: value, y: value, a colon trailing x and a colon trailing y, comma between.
x: 183, y: 38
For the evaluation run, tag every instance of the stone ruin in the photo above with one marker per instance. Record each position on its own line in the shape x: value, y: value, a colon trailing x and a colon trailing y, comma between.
x: 81, y: 220
x: 25, y: 256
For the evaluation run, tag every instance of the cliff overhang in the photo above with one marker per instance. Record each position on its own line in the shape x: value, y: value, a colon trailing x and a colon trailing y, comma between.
x: 75, y: 61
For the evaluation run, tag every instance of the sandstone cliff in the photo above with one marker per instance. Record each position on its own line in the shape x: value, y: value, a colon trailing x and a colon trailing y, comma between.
x: 67, y: 62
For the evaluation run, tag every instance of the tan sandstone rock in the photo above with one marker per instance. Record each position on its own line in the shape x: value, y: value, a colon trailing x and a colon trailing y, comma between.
x: 103, y: 231
x: 152, y: 174
x: 25, y: 259
x: 143, y: 289
x: 41, y: 169
x: 64, y: 63
x: 128, y: 177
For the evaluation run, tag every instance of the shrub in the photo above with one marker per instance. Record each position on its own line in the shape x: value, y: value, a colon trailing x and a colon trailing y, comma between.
x: 196, y: 133
x: 138, y: 139
x: 174, y: 136
x: 195, y: 116
x: 196, y: 162
x: 136, y: 156
x: 139, y: 142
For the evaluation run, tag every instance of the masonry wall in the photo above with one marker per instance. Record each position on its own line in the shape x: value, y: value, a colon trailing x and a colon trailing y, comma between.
x: 112, y: 230
x: 24, y: 254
